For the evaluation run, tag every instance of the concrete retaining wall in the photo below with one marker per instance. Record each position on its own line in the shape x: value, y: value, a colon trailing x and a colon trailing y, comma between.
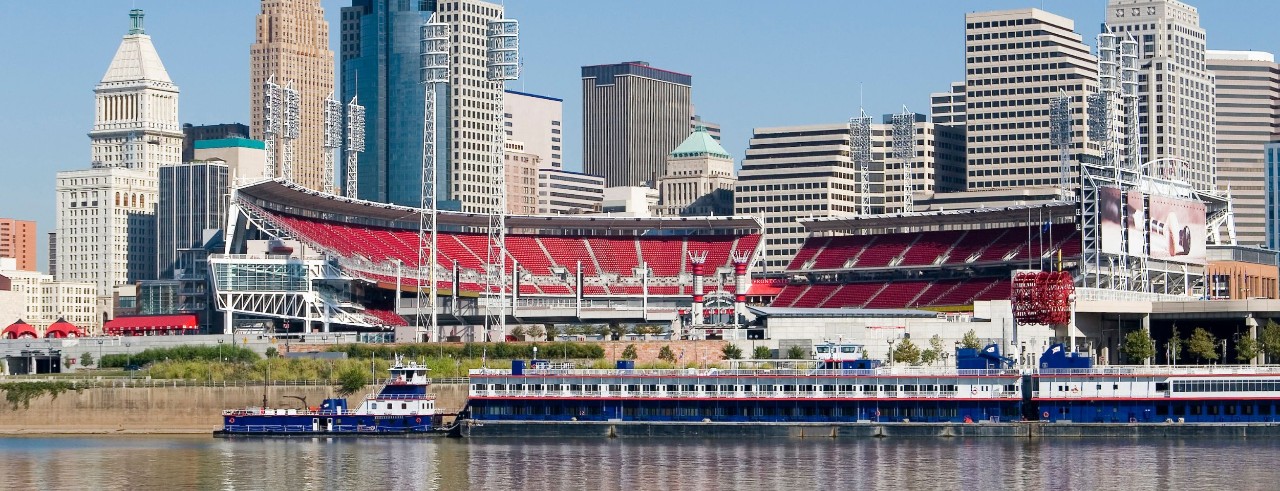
x: 168, y: 409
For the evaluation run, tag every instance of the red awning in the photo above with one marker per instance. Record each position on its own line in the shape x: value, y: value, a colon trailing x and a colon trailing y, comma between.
x: 151, y: 323
x: 19, y: 329
x: 62, y: 329
x: 766, y: 287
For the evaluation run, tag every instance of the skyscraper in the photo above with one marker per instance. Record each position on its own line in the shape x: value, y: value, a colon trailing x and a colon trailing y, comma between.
x: 535, y: 120
x: 193, y: 198
x: 106, y: 214
x: 699, y: 179
x: 472, y: 106
x: 293, y: 45
x: 1016, y: 61
x: 192, y: 134
x: 1175, y: 87
x: 18, y: 241
x: 1247, y: 87
x: 381, y: 46
x: 633, y: 115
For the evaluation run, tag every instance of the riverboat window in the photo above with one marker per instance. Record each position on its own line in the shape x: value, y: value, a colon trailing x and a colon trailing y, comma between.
x: 888, y: 388
x: 555, y: 387
x: 709, y: 388
x: 788, y: 388
x: 1010, y: 388
x: 848, y: 349
x: 868, y: 388
x: 633, y: 388
x: 949, y: 388
x: 748, y: 388
x: 689, y: 388
x: 476, y: 387
x: 806, y: 388
x: 846, y: 388
x: 828, y: 388
x: 726, y: 388
x: 615, y: 388
x: 575, y: 387
x: 1248, y: 409
x: 1162, y: 386
x: 909, y: 388
x: 672, y: 388
x: 404, y: 405
x: 651, y: 387
x: 499, y: 386
x: 1115, y: 386
x: 1099, y: 386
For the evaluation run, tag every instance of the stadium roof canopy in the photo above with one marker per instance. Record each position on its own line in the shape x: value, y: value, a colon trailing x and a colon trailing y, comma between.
x: 950, y: 219
x: 839, y: 312
x: 285, y: 197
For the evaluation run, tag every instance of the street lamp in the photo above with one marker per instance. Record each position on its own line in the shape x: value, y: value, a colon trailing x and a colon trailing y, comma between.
x: 219, y: 351
x: 99, y: 353
x: 890, y: 351
x: 128, y: 357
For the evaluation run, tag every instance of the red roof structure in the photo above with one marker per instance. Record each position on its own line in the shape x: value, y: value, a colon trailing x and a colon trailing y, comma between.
x: 152, y: 325
x: 18, y: 330
x: 63, y: 329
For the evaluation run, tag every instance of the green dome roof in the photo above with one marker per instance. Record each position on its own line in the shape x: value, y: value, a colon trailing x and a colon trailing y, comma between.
x: 700, y: 143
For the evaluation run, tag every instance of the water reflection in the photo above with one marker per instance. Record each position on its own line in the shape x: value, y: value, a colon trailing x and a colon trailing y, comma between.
x: 204, y: 463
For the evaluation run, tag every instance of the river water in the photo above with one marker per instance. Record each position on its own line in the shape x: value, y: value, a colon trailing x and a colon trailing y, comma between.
x: 198, y: 462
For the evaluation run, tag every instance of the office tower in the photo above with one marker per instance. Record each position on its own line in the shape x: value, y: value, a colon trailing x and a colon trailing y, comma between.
x: 796, y: 172
x: 1247, y: 88
x: 561, y: 192
x: 381, y: 58
x: 53, y: 254
x: 1175, y: 86
x: 18, y: 241
x: 521, y: 167
x: 696, y: 121
x: 193, y: 133
x: 472, y: 107
x: 535, y: 120
x: 633, y: 115
x: 42, y: 301
x: 245, y: 158
x: 106, y: 214
x: 292, y: 44
x: 193, y: 198
x: 1016, y: 61
x: 699, y: 179
x: 1271, y: 188
x: 947, y: 108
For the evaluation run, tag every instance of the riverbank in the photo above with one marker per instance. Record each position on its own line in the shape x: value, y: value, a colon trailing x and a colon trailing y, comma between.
x: 168, y: 410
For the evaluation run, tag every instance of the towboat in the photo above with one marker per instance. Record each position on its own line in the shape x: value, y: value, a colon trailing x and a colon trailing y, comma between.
x: 401, y: 407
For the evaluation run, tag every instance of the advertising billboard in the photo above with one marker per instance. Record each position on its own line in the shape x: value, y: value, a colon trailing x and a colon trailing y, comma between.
x: 1177, y: 229
x: 1135, y: 223
x: 1111, y: 234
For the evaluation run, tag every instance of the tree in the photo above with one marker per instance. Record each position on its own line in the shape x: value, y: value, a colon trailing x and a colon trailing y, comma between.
x: 928, y: 356
x: 665, y: 354
x: 519, y: 332
x: 1246, y: 348
x: 536, y: 332
x: 553, y: 331
x: 1270, y: 339
x: 762, y: 353
x: 731, y: 352
x: 1203, y: 345
x: 935, y: 344
x: 971, y: 340
x: 351, y: 380
x: 1174, y: 346
x: 86, y: 359
x: 629, y: 353
x: 616, y: 331
x: 601, y: 330
x: 797, y: 353
x: 907, y: 352
x: 271, y: 352
x: 1138, y: 346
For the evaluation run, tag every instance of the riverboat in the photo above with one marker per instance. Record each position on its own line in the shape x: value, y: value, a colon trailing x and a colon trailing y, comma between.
x: 983, y: 387
x: 401, y: 407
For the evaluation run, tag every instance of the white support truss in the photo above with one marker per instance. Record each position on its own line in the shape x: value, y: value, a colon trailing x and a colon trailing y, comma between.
x: 434, y: 71
x: 503, y: 65
x: 860, y: 149
x: 332, y: 141
x: 292, y: 128
x: 271, y: 116
x: 355, y: 145
x: 904, y: 150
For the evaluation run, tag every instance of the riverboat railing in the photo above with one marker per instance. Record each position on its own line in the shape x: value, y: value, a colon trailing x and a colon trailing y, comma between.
x: 1174, y: 370
x: 749, y: 394
x: 715, y: 372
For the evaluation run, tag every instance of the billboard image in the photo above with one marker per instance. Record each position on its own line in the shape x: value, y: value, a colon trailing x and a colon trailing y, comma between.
x: 1134, y: 222
x: 1177, y: 228
x: 1111, y: 228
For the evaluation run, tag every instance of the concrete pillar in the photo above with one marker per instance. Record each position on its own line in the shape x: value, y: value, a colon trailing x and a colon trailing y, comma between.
x: 695, y: 310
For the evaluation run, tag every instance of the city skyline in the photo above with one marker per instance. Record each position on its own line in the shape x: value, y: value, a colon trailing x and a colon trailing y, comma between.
x: 822, y: 70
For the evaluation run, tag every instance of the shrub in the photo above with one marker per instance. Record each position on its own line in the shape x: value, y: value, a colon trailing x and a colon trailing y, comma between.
x: 232, y: 353
x: 665, y: 354
x: 762, y: 353
x: 629, y: 353
x: 797, y: 353
x: 731, y: 352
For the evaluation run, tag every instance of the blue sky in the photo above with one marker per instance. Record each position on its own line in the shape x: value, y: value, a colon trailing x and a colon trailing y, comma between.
x: 754, y: 63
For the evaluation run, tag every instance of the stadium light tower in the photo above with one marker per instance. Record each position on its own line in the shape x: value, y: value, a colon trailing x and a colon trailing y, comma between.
x: 860, y: 145
x: 292, y: 128
x: 270, y: 123
x: 904, y: 149
x: 355, y: 144
x: 434, y: 71
x: 504, y: 65
x: 332, y: 140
